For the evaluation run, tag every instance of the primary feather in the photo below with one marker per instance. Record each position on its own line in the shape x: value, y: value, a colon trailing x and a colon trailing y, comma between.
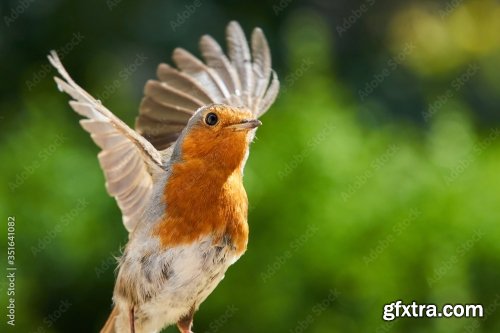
x: 127, y: 159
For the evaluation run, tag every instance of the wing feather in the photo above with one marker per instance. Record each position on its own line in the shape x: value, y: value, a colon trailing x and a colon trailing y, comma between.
x: 165, y: 94
x: 205, y: 75
x: 182, y: 82
x: 261, y: 65
x: 242, y: 78
x: 239, y: 53
x: 270, y: 95
x: 216, y: 59
x: 128, y: 160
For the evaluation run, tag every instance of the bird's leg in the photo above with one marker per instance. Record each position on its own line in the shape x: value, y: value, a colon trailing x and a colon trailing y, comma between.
x: 186, y: 322
x: 131, y: 320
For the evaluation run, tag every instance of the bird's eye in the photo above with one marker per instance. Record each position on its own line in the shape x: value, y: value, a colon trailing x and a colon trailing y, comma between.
x: 211, y: 119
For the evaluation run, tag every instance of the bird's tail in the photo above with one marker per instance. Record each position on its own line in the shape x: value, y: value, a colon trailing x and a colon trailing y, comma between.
x: 109, y: 327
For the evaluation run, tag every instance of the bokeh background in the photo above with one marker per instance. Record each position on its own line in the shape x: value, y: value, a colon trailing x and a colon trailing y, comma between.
x: 375, y: 178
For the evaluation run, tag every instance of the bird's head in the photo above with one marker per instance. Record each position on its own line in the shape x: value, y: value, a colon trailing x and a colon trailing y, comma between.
x: 219, y: 135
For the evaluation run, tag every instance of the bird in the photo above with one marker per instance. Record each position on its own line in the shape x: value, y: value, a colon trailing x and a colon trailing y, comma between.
x: 178, y: 176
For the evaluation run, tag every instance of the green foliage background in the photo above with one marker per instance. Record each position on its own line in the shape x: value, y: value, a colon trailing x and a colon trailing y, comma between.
x: 356, y: 201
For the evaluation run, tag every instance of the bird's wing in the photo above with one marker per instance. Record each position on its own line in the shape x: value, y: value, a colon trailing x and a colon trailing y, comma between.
x: 244, y: 78
x: 128, y: 160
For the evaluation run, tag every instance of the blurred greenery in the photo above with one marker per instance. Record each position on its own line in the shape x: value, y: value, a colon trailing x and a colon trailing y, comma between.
x: 375, y: 177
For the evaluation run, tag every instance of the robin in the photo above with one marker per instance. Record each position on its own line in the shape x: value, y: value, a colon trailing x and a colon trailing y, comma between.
x: 177, y: 177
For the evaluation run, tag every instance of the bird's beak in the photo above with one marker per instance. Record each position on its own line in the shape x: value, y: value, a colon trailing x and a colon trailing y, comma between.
x: 246, y: 124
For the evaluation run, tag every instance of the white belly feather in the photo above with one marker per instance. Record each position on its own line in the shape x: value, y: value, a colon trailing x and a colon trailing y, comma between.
x: 171, y: 281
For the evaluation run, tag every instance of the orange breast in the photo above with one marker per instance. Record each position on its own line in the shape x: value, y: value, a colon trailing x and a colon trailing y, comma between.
x: 202, y: 202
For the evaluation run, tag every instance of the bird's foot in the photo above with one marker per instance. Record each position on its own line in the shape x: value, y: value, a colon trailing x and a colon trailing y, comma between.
x: 186, y: 323
x: 131, y: 320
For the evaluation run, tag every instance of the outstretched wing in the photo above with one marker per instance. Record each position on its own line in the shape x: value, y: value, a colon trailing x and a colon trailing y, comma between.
x: 128, y: 160
x: 244, y: 79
